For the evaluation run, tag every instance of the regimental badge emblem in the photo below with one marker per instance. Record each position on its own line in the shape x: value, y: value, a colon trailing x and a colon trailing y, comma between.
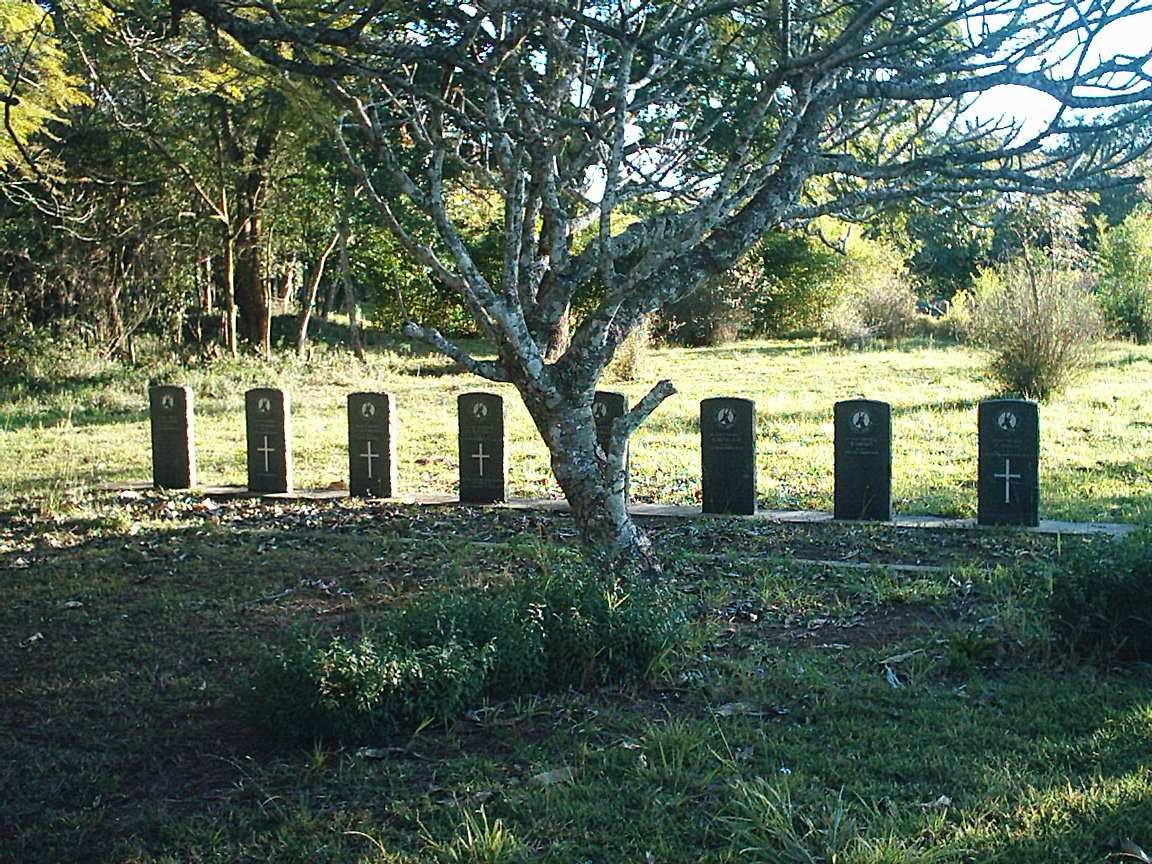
x: 264, y: 405
x: 1006, y: 421
x: 725, y: 417
x: 480, y: 411
x: 599, y: 410
x: 861, y: 421
x: 167, y: 402
x: 367, y: 410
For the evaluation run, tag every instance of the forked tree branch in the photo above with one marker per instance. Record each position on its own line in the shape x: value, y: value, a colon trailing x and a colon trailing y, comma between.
x: 433, y: 338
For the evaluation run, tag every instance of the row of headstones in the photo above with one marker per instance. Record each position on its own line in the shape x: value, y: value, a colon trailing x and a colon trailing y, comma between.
x: 1008, y: 464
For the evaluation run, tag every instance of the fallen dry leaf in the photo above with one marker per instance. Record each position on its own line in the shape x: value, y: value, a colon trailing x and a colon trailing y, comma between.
x: 551, y: 778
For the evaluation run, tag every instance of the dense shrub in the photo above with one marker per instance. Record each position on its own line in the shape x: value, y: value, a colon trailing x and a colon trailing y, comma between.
x: 628, y: 362
x: 28, y: 353
x: 956, y: 322
x: 800, y: 278
x: 343, y: 690
x: 716, y: 313
x: 1124, y: 266
x: 442, y: 652
x: 18, y: 348
x: 1037, y: 317
x: 878, y: 301
x: 1102, y: 600
x: 786, y: 284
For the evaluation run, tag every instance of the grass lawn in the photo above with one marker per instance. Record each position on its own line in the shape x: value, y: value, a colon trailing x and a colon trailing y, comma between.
x: 1096, y: 459
x: 813, y: 712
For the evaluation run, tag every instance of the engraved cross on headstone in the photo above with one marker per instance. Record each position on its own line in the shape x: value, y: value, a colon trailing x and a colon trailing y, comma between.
x: 482, y: 455
x: 1008, y: 479
x: 266, y: 450
x: 371, y: 445
x: 369, y: 456
x: 268, y: 428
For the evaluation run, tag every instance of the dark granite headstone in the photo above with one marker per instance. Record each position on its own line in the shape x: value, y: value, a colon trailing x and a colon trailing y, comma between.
x: 268, y: 416
x: 863, y: 446
x: 728, y: 455
x: 371, y: 445
x: 173, y: 437
x: 606, y: 407
x: 1009, y: 464
x: 482, y: 459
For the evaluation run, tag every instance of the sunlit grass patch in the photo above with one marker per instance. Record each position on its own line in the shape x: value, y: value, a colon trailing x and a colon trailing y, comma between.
x: 1094, y: 462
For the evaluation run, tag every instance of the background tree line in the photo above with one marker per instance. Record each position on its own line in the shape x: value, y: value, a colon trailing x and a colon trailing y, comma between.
x: 179, y: 189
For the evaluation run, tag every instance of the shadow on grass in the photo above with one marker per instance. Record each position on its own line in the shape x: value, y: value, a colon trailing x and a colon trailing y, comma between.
x: 10, y: 390
x: 126, y: 738
x: 1130, y: 359
x: 746, y: 349
x: 98, y: 416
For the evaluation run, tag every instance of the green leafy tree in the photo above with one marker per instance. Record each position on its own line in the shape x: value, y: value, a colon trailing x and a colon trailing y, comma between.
x: 1124, y: 267
x: 38, y: 83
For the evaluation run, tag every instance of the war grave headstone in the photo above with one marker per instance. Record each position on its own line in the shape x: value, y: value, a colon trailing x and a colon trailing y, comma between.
x: 371, y: 445
x: 268, y: 416
x: 1009, y: 463
x: 483, y: 463
x: 173, y: 437
x: 728, y: 455
x: 606, y: 407
x: 863, y: 463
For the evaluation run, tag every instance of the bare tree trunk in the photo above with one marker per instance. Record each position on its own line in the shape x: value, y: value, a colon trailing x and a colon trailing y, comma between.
x: 228, y: 272
x: 308, y: 300
x: 593, y: 482
x: 208, y: 299
x: 253, y: 295
x: 350, y: 303
x: 115, y: 317
x: 251, y: 290
x: 119, y: 334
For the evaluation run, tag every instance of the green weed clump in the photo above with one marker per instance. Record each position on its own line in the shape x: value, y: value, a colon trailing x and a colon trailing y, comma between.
x: 1037, y: 318
x: 441, y: 653
x: 347, y: 690
x: 1102, y: 600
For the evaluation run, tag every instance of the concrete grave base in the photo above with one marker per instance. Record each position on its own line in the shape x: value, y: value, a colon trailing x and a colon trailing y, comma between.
x: 665, y: 511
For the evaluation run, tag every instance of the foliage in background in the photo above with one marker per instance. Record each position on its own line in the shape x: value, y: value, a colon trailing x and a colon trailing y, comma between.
x: 630, y: 359
x: 447, y: 650
x: 795, y: 282
x: 35, y: 74
x: 399, y: 289
x: 1037, y: 318
x: 1102, y: 599
x: 715, y: 313
x: 956, y: 322
x: 876, y: 300
x: 946, y: 245
x: 1124, y: 267
x: 801, y: 279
